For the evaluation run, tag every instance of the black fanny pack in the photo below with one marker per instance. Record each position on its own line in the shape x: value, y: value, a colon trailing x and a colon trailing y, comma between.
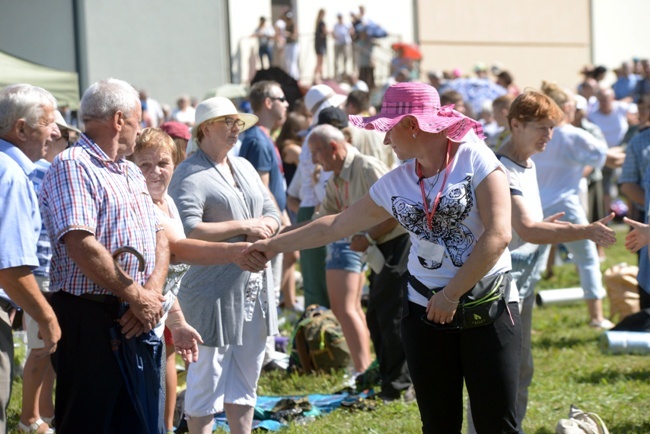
x: 480, y: 306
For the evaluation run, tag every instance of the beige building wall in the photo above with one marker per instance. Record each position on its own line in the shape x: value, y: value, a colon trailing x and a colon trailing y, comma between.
x: 533, y: 40
x: 621, y: 31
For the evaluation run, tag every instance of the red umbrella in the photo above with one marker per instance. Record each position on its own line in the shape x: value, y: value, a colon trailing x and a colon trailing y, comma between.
x: 407, y: 51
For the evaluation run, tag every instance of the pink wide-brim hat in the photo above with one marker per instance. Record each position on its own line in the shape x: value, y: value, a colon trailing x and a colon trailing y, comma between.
x: 421, y: 101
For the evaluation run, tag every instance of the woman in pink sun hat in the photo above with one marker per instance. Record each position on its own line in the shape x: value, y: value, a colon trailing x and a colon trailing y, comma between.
x: 452, y: 196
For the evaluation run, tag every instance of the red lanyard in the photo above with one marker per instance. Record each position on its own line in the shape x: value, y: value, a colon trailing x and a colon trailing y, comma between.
x: 418, y: 171
x: 338, y: 194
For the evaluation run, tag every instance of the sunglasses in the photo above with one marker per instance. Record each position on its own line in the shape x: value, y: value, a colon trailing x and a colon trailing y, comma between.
x: 278, y: 98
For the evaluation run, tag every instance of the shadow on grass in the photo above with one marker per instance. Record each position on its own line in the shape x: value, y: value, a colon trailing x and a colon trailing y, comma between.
x: 630, y: 428
x: 561, y: 342
x: 544, y: 431
x: 611, y: 376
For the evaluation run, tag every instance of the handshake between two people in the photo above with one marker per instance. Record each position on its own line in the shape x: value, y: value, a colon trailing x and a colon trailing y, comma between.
x: 255, y: 256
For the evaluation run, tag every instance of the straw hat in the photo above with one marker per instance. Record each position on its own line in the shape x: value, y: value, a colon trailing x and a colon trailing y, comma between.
x: 217, y: 107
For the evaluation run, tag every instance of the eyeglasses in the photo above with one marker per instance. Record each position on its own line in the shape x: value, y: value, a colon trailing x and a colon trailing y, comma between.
x: 278, y: 98
x: 230, y: 122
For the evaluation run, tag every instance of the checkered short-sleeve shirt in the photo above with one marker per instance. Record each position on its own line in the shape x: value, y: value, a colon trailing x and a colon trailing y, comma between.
x: 85, y: 190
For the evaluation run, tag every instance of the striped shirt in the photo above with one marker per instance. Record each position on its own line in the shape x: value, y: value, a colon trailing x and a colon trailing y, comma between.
x: 86, y: 190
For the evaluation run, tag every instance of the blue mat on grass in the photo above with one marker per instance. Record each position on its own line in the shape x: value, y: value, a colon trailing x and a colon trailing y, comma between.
x: 321, y: 404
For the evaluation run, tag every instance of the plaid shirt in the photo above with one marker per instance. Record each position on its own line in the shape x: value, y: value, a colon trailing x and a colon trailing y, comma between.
x: 85, y: 190
x: 637, y: 159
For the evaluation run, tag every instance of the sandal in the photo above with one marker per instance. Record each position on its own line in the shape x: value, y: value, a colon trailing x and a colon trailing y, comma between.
x: 33, y: 428
x: 50, y: 422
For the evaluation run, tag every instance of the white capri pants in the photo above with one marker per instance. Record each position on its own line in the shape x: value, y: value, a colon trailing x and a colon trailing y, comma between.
x: 227, y: 374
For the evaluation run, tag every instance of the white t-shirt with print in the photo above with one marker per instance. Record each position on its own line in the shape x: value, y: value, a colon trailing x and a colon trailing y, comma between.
x: 523, y: 182
x: 456, y: 225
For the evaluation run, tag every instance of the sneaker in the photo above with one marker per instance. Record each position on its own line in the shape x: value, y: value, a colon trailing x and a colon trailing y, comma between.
x: 604, y: 324
x: 409, y: 395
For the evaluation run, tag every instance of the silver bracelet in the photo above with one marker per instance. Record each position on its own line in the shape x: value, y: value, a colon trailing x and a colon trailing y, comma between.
x: 447, y: 298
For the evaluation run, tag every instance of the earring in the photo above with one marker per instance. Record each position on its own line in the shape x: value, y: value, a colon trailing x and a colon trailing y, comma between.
x: 415, y: 136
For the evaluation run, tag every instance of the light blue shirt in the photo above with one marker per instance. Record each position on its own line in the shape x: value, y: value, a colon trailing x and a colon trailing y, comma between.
x: 20, y: 219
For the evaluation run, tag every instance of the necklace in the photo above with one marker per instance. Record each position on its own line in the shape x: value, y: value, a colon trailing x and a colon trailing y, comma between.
x: 435, y: 181
x: 418, y: 171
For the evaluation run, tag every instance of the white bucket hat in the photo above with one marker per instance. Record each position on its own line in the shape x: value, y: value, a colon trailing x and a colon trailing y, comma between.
x: 60, y: 121
x: 218, y: 107
x: 319, y: 97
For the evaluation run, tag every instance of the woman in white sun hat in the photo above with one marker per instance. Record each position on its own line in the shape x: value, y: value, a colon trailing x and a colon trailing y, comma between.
x: 222, y: 198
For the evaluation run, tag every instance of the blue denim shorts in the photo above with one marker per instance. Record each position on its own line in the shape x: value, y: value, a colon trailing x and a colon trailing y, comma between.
x: 340, y: 257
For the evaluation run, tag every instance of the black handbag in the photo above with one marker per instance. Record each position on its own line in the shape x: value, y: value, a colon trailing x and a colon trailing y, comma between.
x: 480, y: 306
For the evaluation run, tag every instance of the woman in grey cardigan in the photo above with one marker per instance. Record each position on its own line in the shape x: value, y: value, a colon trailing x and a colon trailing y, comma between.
x: 221, y: 198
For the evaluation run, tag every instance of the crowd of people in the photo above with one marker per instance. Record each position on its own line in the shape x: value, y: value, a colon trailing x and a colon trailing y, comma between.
x: 179, y: 233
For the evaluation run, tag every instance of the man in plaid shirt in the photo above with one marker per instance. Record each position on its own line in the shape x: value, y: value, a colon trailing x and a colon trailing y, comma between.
x: 93, y: 202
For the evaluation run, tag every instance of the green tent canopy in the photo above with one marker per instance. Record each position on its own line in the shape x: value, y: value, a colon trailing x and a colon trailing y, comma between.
x: 64, y: 85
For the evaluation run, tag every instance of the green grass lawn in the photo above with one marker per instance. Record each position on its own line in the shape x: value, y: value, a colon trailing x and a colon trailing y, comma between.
x: 569, y: 369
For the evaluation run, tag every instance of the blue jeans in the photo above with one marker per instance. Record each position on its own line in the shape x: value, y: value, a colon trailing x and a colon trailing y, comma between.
x: 265, y: 50
x: 340, y: 257
x: 584, y: 252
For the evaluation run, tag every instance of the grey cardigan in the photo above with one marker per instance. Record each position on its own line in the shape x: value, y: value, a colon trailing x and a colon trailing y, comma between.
x: 212, y: 297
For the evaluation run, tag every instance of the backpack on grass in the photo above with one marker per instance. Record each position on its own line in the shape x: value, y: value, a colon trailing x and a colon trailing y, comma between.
x: 317, y: 342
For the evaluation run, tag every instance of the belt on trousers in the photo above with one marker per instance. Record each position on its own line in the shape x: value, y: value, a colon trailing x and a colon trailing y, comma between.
x: 420, y: 287
x: 101, y: 298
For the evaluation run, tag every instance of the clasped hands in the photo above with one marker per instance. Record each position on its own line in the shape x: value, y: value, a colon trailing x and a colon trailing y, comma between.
x: 258, y: 231
x: 144, y: 312
x: 255, y: 256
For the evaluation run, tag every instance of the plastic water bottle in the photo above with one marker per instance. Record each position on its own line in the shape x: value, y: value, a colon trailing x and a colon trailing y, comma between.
x: 624, y: 342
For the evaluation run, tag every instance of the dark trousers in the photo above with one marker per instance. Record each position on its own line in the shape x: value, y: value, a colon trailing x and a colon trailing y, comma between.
x: 384, y: 315
x: 312, y: 266
x: 90, y: 393
x: 367, y: 74
x: 486, y: 358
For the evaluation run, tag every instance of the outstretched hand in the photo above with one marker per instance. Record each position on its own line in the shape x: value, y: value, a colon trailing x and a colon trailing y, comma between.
x: 250, y: 260
x: 186, y: 341
x: 260, y: 249
x: 600, y: 233
x: 638, y: 237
